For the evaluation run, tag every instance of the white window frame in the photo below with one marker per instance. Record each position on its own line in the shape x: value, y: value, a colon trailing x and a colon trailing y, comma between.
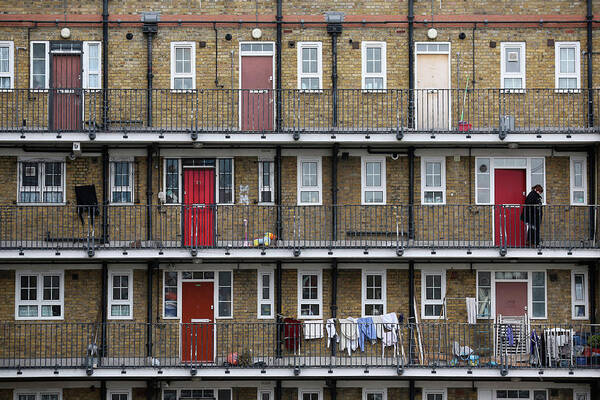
x: 192, y: 74
x: 318, y: 188
x: 46, y: 63
x: 424, y: 301
x: 86, y: 64
x: 216, y: 301
x: 424, y: 188
x: 318, y: 300
x: 530, y: 294
x: 585, y: 301
x: 259, y: 275
x: 363, y: 179
x: 41, y: 188
x: 577, y: 74
x: 218, y: 187
x: 302, y: 391
x: 367, y: 391
x: 271, y: 180
x: 260, y: 392
x: 11, y: 63
x: 521, y: 74
x: 443, y: 392
x: 39, y: 302
x: 584, y: 392
x: 383, y: 300
x: 37, y: 393
x: 131, y: 186
x: 112, y: 301
x: 164, y: 300
x: 179, y: 180
x: 583, y: 189
x: 319, y: 73
x: 530, y: 390
x: 383, y: 73
x: 110, y: 392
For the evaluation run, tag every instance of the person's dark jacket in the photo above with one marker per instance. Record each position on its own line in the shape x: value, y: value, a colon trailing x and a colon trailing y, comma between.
x: 532, y: 211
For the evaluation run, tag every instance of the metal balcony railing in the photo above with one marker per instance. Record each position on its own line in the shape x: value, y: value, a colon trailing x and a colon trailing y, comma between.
x: 296, y: 228
x: 262, y: 345
x: 229, y: 111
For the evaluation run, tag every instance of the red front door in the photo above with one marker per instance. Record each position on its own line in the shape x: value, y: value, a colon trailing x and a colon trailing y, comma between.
x: 511, y: 298
x: 197, y: 318
x: 509, y: 194
x: 66, y: 92
x: 199, y: 203
x: 257, y: 93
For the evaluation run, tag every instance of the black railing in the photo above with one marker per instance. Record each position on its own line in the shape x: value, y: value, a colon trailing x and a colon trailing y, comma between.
x: 254, y: 345
x: 535, y: 111
x: 227, y: 227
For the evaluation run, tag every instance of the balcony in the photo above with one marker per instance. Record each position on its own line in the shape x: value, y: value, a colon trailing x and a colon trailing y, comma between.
x: 292, y: 231
x: 277, y: 348
x: 210, y: 114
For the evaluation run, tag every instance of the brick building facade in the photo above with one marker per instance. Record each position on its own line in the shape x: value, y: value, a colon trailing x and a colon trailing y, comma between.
x: 194, y: 193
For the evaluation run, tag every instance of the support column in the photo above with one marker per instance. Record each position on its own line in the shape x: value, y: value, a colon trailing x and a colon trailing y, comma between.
x: 334, y: 282
x: 278, y: 45
x: 332, y: 385
x: 590, y: 64
x: 411, y: 389
x: 104, y: 310
x: 411, y: 310
x: 150, y: 153
x: 411, y: 63
x: 105, y: 126
x: 149, y: 302
x: 593, y: 300
x: 150, y: 28
x: 278, y: 390
x: 278, y: 227
x: 411, y: 192
x: 334, y: 189
x: 105, y: 193
x: 278, y: 308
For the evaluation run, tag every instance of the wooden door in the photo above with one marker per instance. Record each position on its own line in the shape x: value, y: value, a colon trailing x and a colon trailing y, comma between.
x: 197, y: 318
x: 511, y: 298
x: 65, y: 96
x: 509, y: 195
x: 257, y: 96
x: 198, y: 208
x: 432, y: 97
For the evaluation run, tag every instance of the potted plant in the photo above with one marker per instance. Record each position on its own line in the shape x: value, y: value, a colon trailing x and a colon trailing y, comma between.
x: 592, y: 350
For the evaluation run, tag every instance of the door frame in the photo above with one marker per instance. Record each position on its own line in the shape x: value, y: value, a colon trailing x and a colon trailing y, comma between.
x: 51, y: 54
x: 182, y: 202
x: 449, y: 54
x: 254, y: 53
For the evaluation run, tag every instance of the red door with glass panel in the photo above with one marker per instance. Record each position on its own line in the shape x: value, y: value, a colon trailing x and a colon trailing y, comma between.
x: 509, y: 195
x: 197, y: 318
x: 199, y: 203
x: 66, y: 92
x: 256, y: 101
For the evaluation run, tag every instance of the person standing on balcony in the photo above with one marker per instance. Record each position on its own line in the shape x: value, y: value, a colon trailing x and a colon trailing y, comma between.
x: 532, y: 214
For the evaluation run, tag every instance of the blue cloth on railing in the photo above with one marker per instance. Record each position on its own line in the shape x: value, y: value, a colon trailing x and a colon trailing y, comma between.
x: 366, y: 330
x: 535, y: 339
x: 510, y: 336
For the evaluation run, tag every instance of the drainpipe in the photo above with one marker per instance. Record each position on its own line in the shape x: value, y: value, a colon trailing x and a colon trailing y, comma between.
x: 411, y: 389
x: 278, y: 49
x: 149, y: 273
x: 411, y: 62
x: 334, y: 189
x: 150, y: 28
x: 278, y: 309
x: 105, y: 190
x: 103, y: 390
x: 334, y: 28
x: 279, y: 228
x: 334, y: 279
x: 104, y: 67
x: 591, y: 156
x: 592, y: 277
x: 411, y: 309
x: 103, y: 311
x: 589, y: 53
x: 332, y: 385
x: 411, y: 192
x: 150, y: 153
x: 278, y: 390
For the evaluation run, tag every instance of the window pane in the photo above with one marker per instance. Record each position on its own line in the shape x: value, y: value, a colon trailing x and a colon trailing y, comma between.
x: 567, y: 60
x: 28, y: 311
x: 567, y: 83
x: 433, y: 197
x: 309, y: 83
x: 513, y: 59
x: 579, y: 287
x: 374, y: 83
x: 309, y: 173
x: 513, y: 83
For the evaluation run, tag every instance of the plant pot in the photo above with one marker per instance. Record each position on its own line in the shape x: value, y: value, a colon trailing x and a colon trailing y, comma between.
x: 464, y: 126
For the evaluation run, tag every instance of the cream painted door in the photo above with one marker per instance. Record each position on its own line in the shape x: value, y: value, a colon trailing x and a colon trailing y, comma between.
x: 432, y: 101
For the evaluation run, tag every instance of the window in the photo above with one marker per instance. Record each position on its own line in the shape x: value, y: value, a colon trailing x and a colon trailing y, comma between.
x: 170, y: 290
x: 373, y: 293
x: 310, y: 69
x: 92, y: 65
x: 484, y: 294
x: 512, y: 62
x: 581, y: 394
x: 374, y: 66
x: 521, y: 394
x: 225, y: 180
x: 265, y: 394
x: 172, y: 181
x: 579, y: 294
x: 195, y: 394
x: 538, y: 295
x: 38, y: 395
x: 39, y: 295
x: 121, y: 180
x: 537, y: 175
x: 433, y: 180
x: 310, y: 394
x: 578, y: 181
x: 309, y: 181
x: 120, y: 295
x: 310, y: 294
x: 119, y: 395
x: 225, y: 294
x: 433, y: 291
x: 437, y: 394
x: 373, y: 180
x: 183, y: 65
x: 265, y: 294
x: 483, y: 180
x: 266, y: 181
x: 378, y: 394
x: 41, y: 182
x: 7, y: 65
x: 39, y: 65
x: 567, y: 65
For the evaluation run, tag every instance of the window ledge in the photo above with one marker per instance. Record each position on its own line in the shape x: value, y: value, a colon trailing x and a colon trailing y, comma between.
x: 40, y: 204
x: 567, y: 91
